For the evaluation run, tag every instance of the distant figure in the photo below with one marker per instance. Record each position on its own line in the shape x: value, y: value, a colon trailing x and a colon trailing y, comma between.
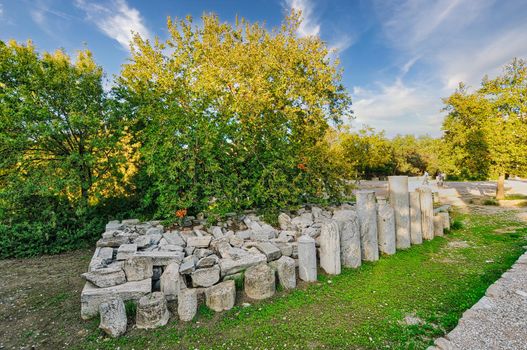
x: 440, y: 178
x: 425, y: 178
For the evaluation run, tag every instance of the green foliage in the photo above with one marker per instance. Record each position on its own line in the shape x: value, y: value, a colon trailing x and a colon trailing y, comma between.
x: 231, y: 116
x: 490, y: 201
x: 131, y: 309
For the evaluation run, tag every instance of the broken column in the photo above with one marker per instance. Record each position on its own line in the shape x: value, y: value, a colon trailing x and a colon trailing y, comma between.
x: 259, y: 282
x: 400, y: 202
x: 427, y: 212
x: 367, y: 214
x: 152, y: 311
x: 350, y: 254
x: 307, y: 259
x: 438, y: 225
x: 187, y: 304
x: 330, y: 248
x: 446, y: 219
x: 386, y: 228
x: 416, y: 232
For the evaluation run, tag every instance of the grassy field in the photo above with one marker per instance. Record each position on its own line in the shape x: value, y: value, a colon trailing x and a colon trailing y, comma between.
x: 403, y: 301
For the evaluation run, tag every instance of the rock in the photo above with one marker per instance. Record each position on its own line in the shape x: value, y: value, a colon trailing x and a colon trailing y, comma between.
x: 217, y: 232
x: 205, y: 277
x: 113, y: 225
x: 131, y: 222
x: 174, y: 238
x: 236, y: 241
x: 169, y: 281
x: 187, y: 304
x: 201, y: 253
x: 446, y: 220
x: 199, y: 242
x: 171, y: 248
x: 208, y: 261
x: 367, y: 214
x: 269, y: 250
x: 92, y: 296
x: 105, y: 277
x: 416, y: 231
x: 137, y: 268
x: 438, y: 225
x: 126, y: 251
x: 188, y: 265
x: 312, y: 231
x: 113, y: 242
x: 221, y: 296
x: 400, y: 202
x: 152, y: 311
x: 427, y: 212
x: 307, y: 259
x: 350, y: 253
x: 162, y: 258
x: 285, y: 248
x: 330, y: 248
x: 386, y: 228
x: 284, y: 221
x: 259, y: 282
x: 142, y: 241
x: 113, y: 317
x: 344, y: 215
x: 302, y: 221
x: 245, y: 234
x: 286, y: 236
x: 286, y: 271
x: 230, y: 266
x: 316, y: 212
x: 155, y: 231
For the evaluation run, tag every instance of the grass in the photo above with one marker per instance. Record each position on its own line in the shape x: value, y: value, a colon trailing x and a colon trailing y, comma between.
x: 515, y: 196
x: 490, y: 201
x: 361, y: 308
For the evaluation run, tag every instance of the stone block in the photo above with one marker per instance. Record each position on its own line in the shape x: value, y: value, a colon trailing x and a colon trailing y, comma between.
x: 205, y: 277
x: 187, y: 304
x: 199, y: 242
x: 162, y: 258
x: 270, y: 251
x: 221, y: 297
x: 105, y: 277
x: 152, y: 311
x: 126, y: 251
x: 137, y: 268
x: 286, y: 270
x: 259, y: 282
x: 169, y: 281
x: 113, y: 317
x: 386, y: 228
x: 230, y: 266
x: 330, y: 248
x: 307, y: 259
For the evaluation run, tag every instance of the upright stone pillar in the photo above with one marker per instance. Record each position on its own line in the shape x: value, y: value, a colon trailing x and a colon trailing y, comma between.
x: 446, y: 220
x: 386, y: 228
x: 330, y: 247
x: 427, y: 212
x: 400, y: 202
x: 367, y: 213
x: 416, y: 231
x: 307, y: 259
x: 438, y: 225
x: 350, y: 254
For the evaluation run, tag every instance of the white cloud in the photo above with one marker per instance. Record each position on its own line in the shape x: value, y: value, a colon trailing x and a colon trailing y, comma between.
x: 115, y: 19
x: 1, y: 10
x: 309, y: 25
x: 398, y: 108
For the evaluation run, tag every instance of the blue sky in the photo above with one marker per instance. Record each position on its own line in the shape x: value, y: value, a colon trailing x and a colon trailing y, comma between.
x: 399, y: 57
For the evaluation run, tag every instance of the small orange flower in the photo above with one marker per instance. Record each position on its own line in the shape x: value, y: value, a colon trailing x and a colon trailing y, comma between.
x: 301, y: 166
x: 181, y: 213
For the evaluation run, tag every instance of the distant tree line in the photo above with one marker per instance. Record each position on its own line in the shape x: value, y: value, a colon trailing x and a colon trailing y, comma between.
x: 218, y: 118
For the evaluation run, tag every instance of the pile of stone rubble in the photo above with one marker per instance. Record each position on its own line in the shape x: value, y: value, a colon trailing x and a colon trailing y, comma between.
x: 194, y: 263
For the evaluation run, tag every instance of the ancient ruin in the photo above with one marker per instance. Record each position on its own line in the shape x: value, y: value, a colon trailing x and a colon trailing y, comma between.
x: 192, y: 262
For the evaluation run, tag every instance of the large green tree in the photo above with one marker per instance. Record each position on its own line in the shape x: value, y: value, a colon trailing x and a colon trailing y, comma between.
x: 231, y: 116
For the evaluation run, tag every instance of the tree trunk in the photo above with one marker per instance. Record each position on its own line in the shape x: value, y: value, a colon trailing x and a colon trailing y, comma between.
x: 500, y: 190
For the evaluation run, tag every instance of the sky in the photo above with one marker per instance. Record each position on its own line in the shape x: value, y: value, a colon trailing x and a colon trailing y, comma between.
x: 399, y: 58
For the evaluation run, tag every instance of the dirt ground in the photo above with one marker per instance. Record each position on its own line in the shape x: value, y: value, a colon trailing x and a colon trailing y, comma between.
x: 40, y: 297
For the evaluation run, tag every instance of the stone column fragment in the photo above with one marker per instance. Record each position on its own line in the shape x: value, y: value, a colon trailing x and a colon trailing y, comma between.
x: 400, y: 202
x: 427, y: 212
x: 187, y: 304
x: 330, y: 248
x: 350, y: 253
x: 367, y: 214
x: 307, y: 259
x: 446, y: 220
x: 416, y: 231
x: 386, y: 228
x: 438, y: 225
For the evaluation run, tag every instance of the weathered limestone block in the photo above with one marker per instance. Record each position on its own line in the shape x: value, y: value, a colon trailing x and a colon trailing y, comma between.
x: 163, y: 258
x: 286, y: 270
x: 270, y: 251
x: 131, y: 222
x: 173, y: 237
x: 222, y: 296
x: 307, y: 259
x: 230, y: 266
x: 187, y: 304
x: 92, y: 296
x: 137, y: 268
x: 170, y: 281
x: 386, y: 228
x: 188, y: 265
x: 367, y: 214
x: 113, y: 317
x: 113, y: 225
x: 284, y: 221
x: 416, y: 231
x: 205, y: 277
x: 445, y: 216
x: 199, y: 242
x: 344, y: 214
x: 207, y: 261
x: 152, y: 311
x: 427, y: 212
x: 105, y: 277
x: 400, y: 202
x: 259, y: 282
x: 302, y: 221
x: 438, y: 225
x: 126, y: 251
x: 113, y: 242
x: 285, y: 248
x: 330, y: 247
x: 350, y: 252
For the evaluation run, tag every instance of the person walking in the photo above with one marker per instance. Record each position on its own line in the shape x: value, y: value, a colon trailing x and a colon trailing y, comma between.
x: 425, y: 178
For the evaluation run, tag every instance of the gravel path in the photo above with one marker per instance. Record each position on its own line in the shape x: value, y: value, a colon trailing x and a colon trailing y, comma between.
x: 498, y: 320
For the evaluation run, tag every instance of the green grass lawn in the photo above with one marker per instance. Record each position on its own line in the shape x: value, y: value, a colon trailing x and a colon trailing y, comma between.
x: 359, y: 309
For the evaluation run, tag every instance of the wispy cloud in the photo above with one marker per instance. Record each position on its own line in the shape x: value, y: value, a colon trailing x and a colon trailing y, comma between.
x: 309, y: 25
x: 116, y: 19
